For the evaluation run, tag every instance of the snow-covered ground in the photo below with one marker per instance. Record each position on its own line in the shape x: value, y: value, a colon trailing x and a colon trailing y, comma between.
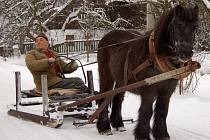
x: 188, y: 119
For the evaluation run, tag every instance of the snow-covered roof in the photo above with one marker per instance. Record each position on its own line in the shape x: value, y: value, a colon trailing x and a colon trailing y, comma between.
x: 207, y: 3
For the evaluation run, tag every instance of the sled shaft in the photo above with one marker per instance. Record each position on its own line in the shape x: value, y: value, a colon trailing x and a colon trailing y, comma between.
x: 147, y: 81
x: 103, y: 95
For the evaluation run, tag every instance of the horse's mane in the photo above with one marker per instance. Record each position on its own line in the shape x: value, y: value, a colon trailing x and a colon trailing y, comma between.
x: 161, y: 27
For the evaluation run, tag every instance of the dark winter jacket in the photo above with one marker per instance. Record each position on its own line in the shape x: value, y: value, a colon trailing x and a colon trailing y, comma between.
x: 37, y: 62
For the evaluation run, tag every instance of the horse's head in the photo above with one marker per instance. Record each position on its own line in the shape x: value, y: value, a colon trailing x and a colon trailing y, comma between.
x: 180, y: 32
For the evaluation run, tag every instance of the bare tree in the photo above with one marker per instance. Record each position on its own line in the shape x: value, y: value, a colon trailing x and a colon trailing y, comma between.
x: 24, y: 18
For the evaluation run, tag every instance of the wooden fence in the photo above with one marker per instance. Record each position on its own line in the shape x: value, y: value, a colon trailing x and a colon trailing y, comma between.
x: 66, y: 47
x: 76, y: 46
x: 26, y: 47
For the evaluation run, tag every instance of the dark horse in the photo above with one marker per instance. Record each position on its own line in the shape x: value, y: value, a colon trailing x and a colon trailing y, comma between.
x: 173, y: 40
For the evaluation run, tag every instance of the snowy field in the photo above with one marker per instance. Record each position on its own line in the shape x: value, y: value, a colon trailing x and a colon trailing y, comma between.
x: 188, y: 119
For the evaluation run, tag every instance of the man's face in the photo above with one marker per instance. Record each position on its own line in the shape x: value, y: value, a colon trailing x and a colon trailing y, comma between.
x: 41, y: 43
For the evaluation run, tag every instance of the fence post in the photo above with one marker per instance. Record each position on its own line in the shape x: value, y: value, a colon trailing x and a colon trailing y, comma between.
x: 67, y: 48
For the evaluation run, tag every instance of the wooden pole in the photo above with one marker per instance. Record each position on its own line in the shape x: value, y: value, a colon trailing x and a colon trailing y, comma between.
x: 45, y: 98
x: 18, y: 88
x: 147, y: 81
x: 150, y: 16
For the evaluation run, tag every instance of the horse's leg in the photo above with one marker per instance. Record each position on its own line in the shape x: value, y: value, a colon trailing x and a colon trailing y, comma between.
x: 142, y: 129
x: 161, y: 110
x: 116, y: 115
x: 103, y: 124
x: 106, y: 84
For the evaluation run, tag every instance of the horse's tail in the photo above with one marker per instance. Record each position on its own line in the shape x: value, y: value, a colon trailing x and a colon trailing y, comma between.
x: 105, y: 76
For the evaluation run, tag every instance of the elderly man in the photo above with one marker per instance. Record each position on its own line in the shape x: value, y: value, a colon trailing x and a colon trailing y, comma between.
x: 42, y: 60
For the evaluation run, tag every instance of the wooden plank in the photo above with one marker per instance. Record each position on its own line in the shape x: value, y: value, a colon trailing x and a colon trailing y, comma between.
x: 46, y: 121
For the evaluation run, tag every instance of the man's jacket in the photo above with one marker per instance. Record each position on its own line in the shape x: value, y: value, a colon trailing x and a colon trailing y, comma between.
x: 37, y: 62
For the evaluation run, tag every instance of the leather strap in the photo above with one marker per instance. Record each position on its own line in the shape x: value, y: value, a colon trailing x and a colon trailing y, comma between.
x: 162, y: 62
x: 126, y: 68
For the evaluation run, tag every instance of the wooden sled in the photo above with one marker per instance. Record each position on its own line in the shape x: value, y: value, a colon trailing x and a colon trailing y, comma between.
x: 51, y: 100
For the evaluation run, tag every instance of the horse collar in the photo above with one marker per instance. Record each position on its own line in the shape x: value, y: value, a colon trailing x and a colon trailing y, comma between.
x: 161, y: 62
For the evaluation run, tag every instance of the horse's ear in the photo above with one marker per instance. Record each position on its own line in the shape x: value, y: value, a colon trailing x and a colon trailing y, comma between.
x: 178, y: 10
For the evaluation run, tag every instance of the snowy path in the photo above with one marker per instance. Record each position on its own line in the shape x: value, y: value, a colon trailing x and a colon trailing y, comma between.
x: 30, y: 131
x: 188, y: 119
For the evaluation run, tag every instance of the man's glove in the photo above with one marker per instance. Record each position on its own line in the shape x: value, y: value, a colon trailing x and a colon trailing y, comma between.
x: 74, y: 65
x: 51, y: 60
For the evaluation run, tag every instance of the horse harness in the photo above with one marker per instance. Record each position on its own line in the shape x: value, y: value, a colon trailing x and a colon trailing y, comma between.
x: 161, y: 62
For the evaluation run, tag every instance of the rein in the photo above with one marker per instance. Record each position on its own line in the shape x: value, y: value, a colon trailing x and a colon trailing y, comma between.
x: 161, y: 62
x: 108, y: 46
x: 112, y: 45
x: 81, y: 65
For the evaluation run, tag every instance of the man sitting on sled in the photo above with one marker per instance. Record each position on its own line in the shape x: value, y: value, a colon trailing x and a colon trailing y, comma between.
x: 41, y: 60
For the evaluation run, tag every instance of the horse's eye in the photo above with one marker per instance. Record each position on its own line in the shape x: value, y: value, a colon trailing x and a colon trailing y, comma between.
x: 174, y: 49
x: 179, y: 24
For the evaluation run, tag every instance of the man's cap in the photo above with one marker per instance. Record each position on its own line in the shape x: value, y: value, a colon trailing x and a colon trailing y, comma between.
x: 42, y: 35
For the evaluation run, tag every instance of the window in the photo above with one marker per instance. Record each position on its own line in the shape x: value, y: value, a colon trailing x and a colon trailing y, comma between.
x: 69, y: 37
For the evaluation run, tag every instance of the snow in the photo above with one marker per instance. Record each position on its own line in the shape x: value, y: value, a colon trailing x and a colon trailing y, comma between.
x: 188, y: 118
x: 207, y: 3
x: 70, y: 16
x: 15, y: 46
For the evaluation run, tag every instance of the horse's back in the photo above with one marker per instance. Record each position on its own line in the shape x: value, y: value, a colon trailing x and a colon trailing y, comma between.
x: 118, y: 36
x: 115, y: 47
x: 114, y: 44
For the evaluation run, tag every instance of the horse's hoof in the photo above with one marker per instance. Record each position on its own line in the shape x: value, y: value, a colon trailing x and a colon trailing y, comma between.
x: 120, y: 129
x: 103, y: 127
x: 107, y: 132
